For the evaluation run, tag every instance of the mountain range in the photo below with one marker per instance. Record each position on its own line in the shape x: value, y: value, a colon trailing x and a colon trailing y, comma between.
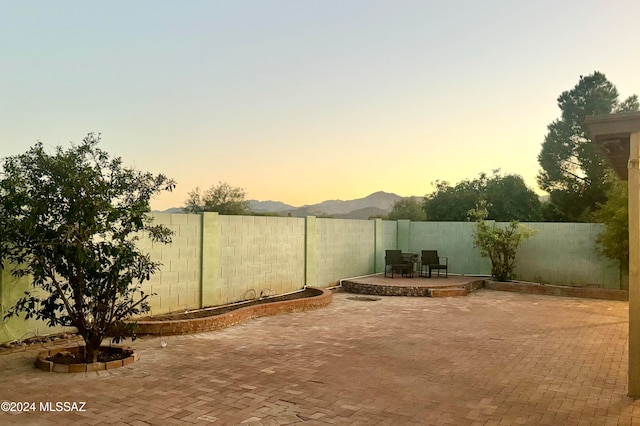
x: 377, y: 204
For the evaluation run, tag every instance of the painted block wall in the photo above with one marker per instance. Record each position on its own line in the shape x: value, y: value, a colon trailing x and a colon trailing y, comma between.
x: 216, y: 259
x: 258, y: 254
x: 565, y: 254
x: 19, y: 328
x: 453, y: 240
x: 559, y: 253
x: 177, y: 284
x: 345, y: 248
x: 403, y: 235
x: 389, y: 242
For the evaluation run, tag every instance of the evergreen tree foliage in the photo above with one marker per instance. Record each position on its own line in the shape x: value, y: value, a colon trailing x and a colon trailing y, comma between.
x: 573, y: 172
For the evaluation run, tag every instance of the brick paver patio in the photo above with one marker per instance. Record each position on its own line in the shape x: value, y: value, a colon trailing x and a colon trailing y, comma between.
x: 489, y: 358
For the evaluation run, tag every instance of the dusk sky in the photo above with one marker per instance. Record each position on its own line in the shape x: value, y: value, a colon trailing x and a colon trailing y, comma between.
x: 302, y: 101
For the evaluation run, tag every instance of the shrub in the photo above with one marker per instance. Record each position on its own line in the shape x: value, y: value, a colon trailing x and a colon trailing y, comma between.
x: 500, y: 244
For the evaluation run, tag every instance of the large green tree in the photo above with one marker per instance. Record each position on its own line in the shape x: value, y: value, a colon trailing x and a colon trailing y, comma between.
x: 452, y: 203
x: 222, y: 198
x: 573, y: 171
x: 70, y: 221
x: 407, y: 208
x: 614, y: 214
x: 507, y: 198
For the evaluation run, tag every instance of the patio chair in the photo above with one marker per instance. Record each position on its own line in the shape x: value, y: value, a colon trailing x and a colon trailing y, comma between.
x: 393, y: 262
x: 431, y: 261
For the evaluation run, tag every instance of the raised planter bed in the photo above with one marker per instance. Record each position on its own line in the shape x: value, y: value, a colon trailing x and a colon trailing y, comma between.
x: 557, y: 290
x: 225, y: 316
x: 60, y: 360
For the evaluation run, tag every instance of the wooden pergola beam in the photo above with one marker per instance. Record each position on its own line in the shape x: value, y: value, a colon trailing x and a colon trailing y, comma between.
x: 618, y: 138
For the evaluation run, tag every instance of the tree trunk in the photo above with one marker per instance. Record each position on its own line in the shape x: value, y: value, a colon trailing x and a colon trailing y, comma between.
x: 91, y: 343
x: 92, y: 351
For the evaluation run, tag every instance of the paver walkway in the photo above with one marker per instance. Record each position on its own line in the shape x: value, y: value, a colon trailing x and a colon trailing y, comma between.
x: 489, y: 358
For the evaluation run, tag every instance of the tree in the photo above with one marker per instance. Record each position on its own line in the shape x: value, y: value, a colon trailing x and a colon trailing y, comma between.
x: 507, y: 197
x: 223, y: 198
x: 550, y: 213
x: 452, y: 203
x: 500, y: 244
x: 407, y: 208
x: 70, y: 221
x: 573, y: 171
x: 614, y: 214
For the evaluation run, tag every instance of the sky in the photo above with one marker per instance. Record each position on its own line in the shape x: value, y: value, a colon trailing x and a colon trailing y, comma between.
x: 304, y: 101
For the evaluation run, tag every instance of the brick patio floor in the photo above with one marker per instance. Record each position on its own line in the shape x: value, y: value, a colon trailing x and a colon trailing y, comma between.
x: 491, y: 358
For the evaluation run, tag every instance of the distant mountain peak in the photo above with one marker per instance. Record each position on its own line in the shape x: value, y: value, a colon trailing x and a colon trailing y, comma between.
x: 378, y: 204
x: 269, y: 206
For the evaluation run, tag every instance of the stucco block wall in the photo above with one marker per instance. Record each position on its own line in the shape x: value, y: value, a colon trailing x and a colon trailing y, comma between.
x: 389, y: 241
x: 345, y: 248
x: 17, y: 327
x: 177, y: 284
x: 215, y: 260
x: 453, y: 240
x: 559, y: 253
x: 258, y: 254
x: 566, y: 254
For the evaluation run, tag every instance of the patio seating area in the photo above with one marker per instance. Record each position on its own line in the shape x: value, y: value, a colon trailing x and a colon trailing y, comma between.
x: 487, y: 359
x: 406, y: 264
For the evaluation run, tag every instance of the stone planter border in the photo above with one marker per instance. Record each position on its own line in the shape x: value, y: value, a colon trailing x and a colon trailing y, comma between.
x: 557, y: 290
x: 440, y: 290
x: 48, y: 365
x: 216, y: 322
